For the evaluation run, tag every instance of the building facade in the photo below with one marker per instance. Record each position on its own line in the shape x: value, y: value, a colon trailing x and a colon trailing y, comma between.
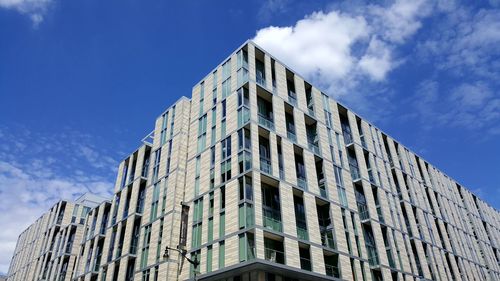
x: 47, y: 249
x: 270, y: 179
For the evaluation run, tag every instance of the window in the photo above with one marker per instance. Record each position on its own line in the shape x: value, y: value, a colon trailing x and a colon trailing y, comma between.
x: 197, y: 222
x: 223, y: 109
x: 197, y: 176
x: 164, y: 122
x: 155, y: 200
x: 209, y: 258
x: 226, y: 159
x: 245, y: 207
x: 156, y: 167
x: 271, y: 207
x: 340, y: 186
x: 202, y: 97
x: 226, y: 88
x: 222, y: 254
x: 202, y: 132
x: 145, y: 246
x: 300, y: 217
x: 246, y: 246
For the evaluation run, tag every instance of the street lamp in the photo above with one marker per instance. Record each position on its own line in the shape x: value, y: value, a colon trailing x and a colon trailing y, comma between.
x: 183, y: 253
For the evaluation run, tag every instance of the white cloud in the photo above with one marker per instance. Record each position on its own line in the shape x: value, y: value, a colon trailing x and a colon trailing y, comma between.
x: 337, y: 50
x: 37, y: 170
x: 466, y: 42
x: 471, y: 106
x: 35, y: 9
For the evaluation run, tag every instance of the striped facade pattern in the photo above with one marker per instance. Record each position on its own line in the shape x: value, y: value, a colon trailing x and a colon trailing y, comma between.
x: 283, y: 183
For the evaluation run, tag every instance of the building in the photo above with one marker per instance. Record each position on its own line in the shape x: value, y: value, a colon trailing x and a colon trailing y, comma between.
x: 261, y: 176
x: 47, y: 249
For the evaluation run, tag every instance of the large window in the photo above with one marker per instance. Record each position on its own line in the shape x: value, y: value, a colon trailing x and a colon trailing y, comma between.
x: 197, y: 223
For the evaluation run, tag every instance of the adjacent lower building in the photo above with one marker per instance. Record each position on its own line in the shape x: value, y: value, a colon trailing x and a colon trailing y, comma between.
x: 261, y: 176
x: 47, y: 249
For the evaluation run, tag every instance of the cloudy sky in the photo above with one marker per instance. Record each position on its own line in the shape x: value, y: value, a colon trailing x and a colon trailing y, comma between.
x: 82, y: 81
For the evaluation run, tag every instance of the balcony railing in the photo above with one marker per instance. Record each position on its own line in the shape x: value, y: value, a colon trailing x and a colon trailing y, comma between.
x: 266, y: 122
x: 272, y: 220
x: 292, y: 99
x: 302, y: 182
x: 314, y: 147
x: 372, y: 255
x: 260, y: 80
x: 390, y: 257
x: 363, y: 211
x: 347, y: 138
x: 302, y: 232
x: 273, y: 255
x: 354, y: 172
x: 322, y: 188
x: 305, y: 264
x: 291, y: 136
x: 265, y: 165
x: 327, y: 239
x: 379, y: 213
x: 332, y: 270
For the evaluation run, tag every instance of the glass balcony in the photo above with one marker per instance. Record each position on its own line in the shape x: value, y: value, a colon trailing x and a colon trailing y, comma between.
x: 311, y: 112
x: 272, y: 220
x: 314, y: 147
x: 305, y: 264
x: 372, y: 255
x: 379, y: 213
x: 347, y: 138
x: 260, y: 80
x: 354, y: 172
x: 266, y: 122
x: 291, y: 136
x: 371, y: 177
x: 273, y: 255
x: 322, y: 188
x: 363, y: 211
x: 327, y: 239
x: 291, y: 98
x: 302, y: 231
x: 302, y: 182
x: 390, y: 258
x: 363, y: 142
x: 265, y: 165
x: 332, y: 270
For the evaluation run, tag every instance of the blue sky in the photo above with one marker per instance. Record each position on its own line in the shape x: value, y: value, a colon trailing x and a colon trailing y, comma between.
x: 81, y: 82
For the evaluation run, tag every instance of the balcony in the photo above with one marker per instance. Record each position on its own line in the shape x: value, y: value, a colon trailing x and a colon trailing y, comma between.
x: 302, y: 182
x: 354, y: 172
x: 380, y: 215
x: 266, y: 122
x: 291, y: 136
x: 260, y: 80
x: 273, y: 255
x: 347, y: 138
x: 265, y: 165
x: 327, y: 239
x: 314, y: 147
x: 302, y: 231
x: 390, y: 257
x: 363, y: 142
x: 292, y: 99
x: 372, y: 256
x: 363, y: 211
x: 305, y: 264
x: 332, y: 270
x: 272, y: 219
x: 322, y: 188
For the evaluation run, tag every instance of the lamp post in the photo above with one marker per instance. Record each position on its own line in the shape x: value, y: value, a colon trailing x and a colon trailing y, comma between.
x: 183, y: 253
